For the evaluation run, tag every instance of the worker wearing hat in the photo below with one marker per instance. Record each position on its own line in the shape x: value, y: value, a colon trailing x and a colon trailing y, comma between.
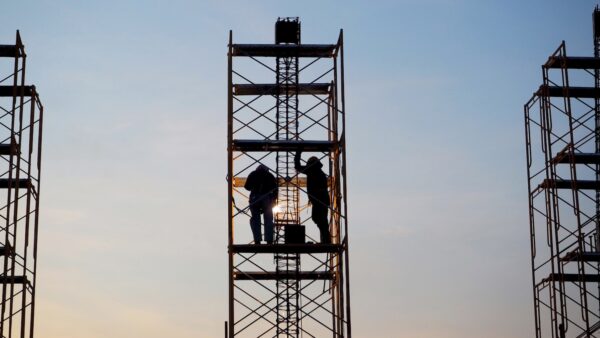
x: 318, y: 196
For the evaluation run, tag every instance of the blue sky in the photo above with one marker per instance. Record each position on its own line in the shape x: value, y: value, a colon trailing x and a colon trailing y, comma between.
x: 133, y: 239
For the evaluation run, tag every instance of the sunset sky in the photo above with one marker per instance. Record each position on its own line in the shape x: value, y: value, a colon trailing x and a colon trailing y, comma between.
x: 134, y: 221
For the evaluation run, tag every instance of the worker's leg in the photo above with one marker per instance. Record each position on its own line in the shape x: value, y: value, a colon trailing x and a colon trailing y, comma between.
x: 319, y: 216
x: 268, y: 215
x: 255, y: 220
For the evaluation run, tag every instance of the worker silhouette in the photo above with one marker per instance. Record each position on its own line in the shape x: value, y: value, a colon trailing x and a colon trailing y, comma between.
x: 318, y: 196
x: 263, y: 193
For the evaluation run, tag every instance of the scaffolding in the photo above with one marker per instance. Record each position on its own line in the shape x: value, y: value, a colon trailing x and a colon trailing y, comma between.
x: 562, y: 127
x: 288, y: 199
x: 284, y: 98
x: 21, y: 115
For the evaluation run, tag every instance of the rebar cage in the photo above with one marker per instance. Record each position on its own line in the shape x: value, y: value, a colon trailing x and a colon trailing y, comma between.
x: 284, y: 98
x: 563, y: 162
x: 21, y: 115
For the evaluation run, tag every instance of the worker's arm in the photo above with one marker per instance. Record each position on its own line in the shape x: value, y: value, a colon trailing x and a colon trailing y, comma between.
x: 297, y: 164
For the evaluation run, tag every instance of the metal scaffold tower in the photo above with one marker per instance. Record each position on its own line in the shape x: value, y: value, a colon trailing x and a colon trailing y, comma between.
x: 21, y: 114
x: 562, y: 125
x: 286, y: 72
x: 284, y: 98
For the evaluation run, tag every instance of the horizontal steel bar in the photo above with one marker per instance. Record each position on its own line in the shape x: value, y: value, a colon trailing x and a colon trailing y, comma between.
x: 13, y: 183
x: 303, y: 275
x: 9, y: 51
x: 573, y: 62
x: 572, y: 277
x: 13, y: 279
x: 274, y: 89
x: 567, y: 184
x: 8, y: 149
x: 579, y: 158
x: 240, y: 182
x: 580, y: 92
x: 286, y: 248
x: 282, y: 145
x: 8, y: 91
x: 271, y: 50
x: 5, y: 250
x: 575, y: 256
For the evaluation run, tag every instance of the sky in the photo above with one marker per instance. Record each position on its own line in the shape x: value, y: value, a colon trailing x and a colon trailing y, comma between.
x: 133, y: 232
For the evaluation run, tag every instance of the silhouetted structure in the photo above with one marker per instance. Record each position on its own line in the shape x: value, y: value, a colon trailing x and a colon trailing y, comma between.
x: 292, y: 288
x: 562, y: 122
x: 21, y: 115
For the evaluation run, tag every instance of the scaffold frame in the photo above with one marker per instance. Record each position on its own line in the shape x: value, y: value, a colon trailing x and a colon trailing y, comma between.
x: 315, y: 95
x: 562, y: 138
x: 21, y: 121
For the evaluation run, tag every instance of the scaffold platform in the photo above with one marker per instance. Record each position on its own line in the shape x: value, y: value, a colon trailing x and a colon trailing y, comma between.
x: 283, y: 145
x: 273, y: 50
x: 252, y: 89
x: 286, y: 248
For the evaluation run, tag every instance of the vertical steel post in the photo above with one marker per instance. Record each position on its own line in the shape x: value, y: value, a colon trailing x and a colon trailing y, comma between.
x: 36, y: 215
x: 596, y: 31
x: 336, y: 260
x: 16, y: 215
x: 596, y: 35
x: 230, y: 180
x: 345, y: 177
x: 7, y: 238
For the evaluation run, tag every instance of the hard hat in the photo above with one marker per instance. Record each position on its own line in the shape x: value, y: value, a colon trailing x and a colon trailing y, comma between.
x: 314, y: 162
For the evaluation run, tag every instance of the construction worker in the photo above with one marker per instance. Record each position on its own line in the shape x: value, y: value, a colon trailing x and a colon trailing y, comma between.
x: 263, y: 194
x: 318, y: 196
